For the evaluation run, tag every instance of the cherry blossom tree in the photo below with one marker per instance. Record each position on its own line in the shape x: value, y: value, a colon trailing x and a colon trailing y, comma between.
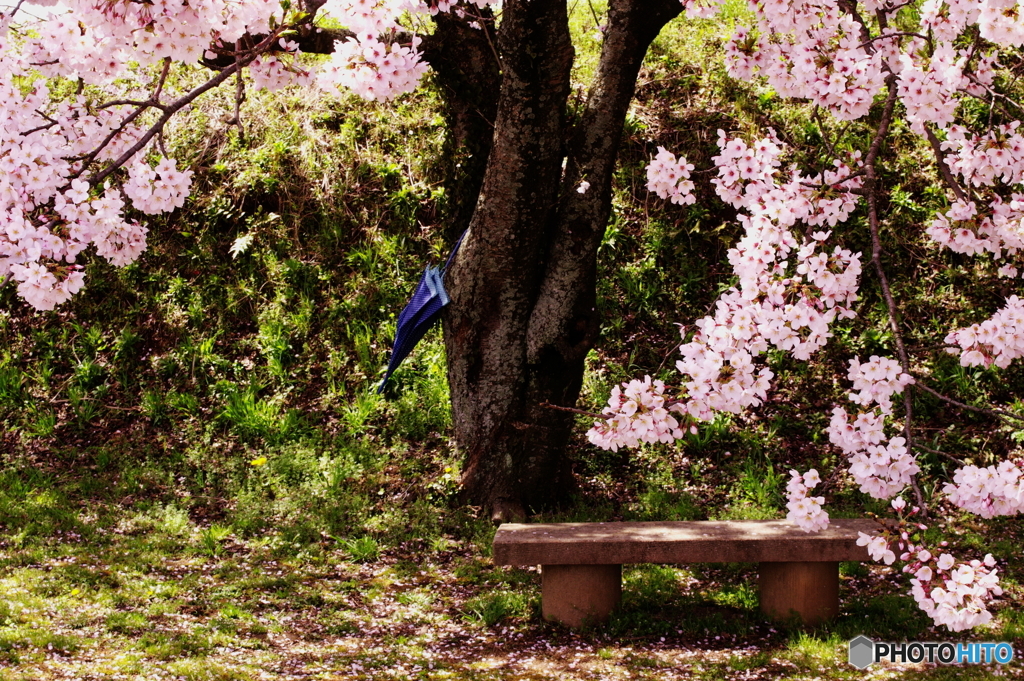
x: 535, y: 194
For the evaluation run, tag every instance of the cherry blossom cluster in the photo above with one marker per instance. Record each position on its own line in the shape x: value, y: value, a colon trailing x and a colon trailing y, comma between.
x: 747, y: 180
x: 841, y: 56
x: 790, y: 290
x: 718, y: 362
x: 373, y: 69
x: 823, y: 51
x: 881, y: 465
x: 878, y: 548
x: 961, y: 229
x: 998, y: 340
x: 928, y: 83
x: 275, y: 71
x: 98, y: 41
x: 636, y: 413
x: 739, y: 165
x: 954, y: 595
x: 993, y: 228
x: 47, y: 215
x: 809, y: 49
x: 371, y: 17
x: 876, y: 381
x: 804, y: 510
x: 669, y: 177
x: 33, y: 255
x: 990, y: 491
x: 984, y: 160
x: 157, y: 190
x: 42, y: 289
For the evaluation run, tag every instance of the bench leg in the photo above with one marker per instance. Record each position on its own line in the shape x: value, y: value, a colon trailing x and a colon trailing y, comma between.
x: 808, y: 590
x: 575, y: 595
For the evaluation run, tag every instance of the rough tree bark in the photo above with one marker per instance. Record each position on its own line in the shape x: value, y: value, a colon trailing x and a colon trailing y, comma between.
x: 523, y: 286
x: 466, y: 69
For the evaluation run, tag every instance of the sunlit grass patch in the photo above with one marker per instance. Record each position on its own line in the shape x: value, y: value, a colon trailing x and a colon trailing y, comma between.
x: 813, y: 653
x: 204, y: 669
x: 492, y: 608
x: 129, y: 623
x: 25, y: 642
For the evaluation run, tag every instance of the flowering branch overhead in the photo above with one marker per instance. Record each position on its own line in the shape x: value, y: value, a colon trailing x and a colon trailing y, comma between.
x: 845, y: 58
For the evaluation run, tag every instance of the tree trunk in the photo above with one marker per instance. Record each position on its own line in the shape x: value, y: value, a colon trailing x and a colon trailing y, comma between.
x: 523, y: 286
x: 467, y: 71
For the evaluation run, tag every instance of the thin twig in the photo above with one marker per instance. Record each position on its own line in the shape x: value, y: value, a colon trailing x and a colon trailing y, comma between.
x: 143, y: 103
x: 871, y: 188
x: 153, y: 101
x: 995, y: 95
x: 835, y: 185
x: 893, y: 35
x: 172, y: 109
x: 575, y: 411
x: 816, y: 115
x: 87, y: 159
x: 181, y: 103
x: 239, y: 98
x: 158, y: 90
x: 490, y: 43
x: 918, y: 445
x: 46, y: 126
x: 889, y: 9
x: 980, y: 410
x: 928, y: 348
x: 940, y: 160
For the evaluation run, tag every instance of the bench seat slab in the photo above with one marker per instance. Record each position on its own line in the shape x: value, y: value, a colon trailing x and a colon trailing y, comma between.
x: 706, y: 541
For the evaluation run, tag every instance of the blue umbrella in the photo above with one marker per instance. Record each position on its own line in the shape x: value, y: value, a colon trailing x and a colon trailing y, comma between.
x: 419, y: 314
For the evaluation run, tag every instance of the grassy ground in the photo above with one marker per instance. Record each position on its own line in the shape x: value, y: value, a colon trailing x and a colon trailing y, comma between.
x: 198, y: 481
x: 102, y: 580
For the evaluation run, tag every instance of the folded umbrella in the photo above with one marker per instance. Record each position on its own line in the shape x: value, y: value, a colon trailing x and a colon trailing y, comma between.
x: 419, y: 314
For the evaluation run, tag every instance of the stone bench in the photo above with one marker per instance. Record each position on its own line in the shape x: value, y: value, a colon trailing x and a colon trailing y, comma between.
x: 581, y: 563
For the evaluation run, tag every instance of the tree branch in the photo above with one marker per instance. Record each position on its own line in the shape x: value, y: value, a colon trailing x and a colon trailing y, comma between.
x: 980, y: 410
x: 918, y: 445
x: 177, y: 106
x: 944, y: 171
x: 892, y: 35
x: 583, y: 412
x: 871, y: 188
